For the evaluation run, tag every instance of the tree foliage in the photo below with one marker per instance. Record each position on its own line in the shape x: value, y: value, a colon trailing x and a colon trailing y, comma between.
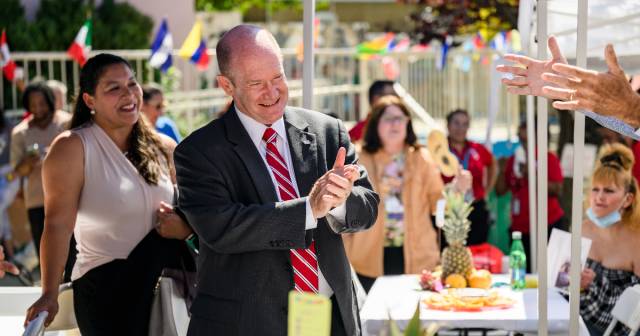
x: 18, y: 29
x: 438, y: 19
x: 121, y: 26
x: 245, y: 5
x: 115, y: 25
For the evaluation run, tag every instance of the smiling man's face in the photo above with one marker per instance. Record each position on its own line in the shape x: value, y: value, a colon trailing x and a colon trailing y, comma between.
x: 257, y: 82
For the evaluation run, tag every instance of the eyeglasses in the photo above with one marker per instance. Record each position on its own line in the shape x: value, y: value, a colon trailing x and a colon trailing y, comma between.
x: 394, y: 120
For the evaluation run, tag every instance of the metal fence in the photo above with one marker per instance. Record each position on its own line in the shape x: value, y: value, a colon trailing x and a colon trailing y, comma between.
x: 342, y: 81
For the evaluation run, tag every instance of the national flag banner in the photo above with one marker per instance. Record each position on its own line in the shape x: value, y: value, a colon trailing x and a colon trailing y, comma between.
x: 400, y: 46
x: 81, y: 46
x: 194, y: 48
x: 9, y: 68
x: 441, y: 59
x: 161, y: 48
x: 499, y: 42
x: 378, y: 45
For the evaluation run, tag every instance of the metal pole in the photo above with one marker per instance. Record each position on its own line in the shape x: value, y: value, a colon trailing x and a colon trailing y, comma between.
x: 578, y: 179
x: 543, y: 322
x: 307, y: 66
x: 531, y: 159
x: 494, y: 103
x: 363, y: 69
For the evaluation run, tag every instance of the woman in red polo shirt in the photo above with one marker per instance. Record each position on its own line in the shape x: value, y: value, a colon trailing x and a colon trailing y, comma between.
x: 514, y: 178
x: 475, y: 158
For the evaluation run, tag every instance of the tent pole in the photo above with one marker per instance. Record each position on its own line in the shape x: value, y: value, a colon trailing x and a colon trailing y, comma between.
x: 542, y: 180
x: 531, y: 169
x: 308, y: 64
x: 578, y: 179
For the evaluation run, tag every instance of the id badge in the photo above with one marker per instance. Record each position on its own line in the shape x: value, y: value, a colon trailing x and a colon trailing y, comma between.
x: 515, y: 208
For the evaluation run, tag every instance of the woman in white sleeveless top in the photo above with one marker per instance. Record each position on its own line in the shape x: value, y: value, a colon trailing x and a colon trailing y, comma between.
x: 110, y: 182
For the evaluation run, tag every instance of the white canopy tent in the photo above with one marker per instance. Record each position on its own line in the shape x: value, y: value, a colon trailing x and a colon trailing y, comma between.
x: 583, y: 30
x: 609, y: 21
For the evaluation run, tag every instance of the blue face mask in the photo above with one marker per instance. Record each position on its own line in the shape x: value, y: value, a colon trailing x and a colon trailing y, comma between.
x: 605, y: 221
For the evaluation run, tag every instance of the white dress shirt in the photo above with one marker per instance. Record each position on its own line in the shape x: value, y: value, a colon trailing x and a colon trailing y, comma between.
x: 256, y: 131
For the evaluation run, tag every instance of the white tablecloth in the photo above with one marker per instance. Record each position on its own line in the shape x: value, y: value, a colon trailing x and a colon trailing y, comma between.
x: 397, y: 296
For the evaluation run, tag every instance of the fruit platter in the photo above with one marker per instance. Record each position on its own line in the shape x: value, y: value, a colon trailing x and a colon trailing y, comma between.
x: 467, y: 300
x: 456, y: 285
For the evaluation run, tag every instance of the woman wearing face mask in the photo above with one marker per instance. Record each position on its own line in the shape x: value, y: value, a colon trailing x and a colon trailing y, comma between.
x: 613, y: 225
x: 403, y: 240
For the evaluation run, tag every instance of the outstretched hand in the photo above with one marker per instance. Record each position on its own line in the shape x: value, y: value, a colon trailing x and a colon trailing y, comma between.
x: 5, y: 266
x: 606, y: 93
x: 334, y: 187
x: 527, y: 78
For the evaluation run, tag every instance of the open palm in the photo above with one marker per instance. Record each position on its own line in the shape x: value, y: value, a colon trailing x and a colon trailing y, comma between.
x: 527, y: 80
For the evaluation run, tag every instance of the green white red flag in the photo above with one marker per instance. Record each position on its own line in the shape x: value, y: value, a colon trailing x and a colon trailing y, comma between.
x: 81, y: 46
x: 9, y: 68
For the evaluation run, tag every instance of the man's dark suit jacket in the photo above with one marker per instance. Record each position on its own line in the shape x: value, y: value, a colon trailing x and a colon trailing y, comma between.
x: 245, y: 233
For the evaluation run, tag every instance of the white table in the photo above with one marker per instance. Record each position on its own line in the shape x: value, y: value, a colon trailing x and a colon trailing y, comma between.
x: 397, y: 296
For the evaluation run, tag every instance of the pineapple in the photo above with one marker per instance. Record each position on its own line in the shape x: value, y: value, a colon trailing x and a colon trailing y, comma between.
x: 456, y: 258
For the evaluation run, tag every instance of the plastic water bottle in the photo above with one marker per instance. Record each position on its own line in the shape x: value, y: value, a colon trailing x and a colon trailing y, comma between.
x: 517, y: 262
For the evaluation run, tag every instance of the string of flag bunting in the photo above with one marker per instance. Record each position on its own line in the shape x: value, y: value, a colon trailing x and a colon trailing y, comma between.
x: 380, y: 47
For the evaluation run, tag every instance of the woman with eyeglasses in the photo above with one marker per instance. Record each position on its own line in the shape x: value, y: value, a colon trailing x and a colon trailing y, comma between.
x: 403, y: 240
x: 153, y: 106
x: 613, y: 225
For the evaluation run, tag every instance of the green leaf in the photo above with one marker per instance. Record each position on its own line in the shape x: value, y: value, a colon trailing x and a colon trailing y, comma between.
x: 394, y: 330
x: 413, y: 328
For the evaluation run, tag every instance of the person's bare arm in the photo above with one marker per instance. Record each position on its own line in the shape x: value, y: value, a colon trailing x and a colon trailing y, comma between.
x: 6, y: 266
x: 501, y: 181
x: 492, y: 175
x: 63, y: 178
x: 26, y: 165
x: 21, y: 161
x: 554, y: 189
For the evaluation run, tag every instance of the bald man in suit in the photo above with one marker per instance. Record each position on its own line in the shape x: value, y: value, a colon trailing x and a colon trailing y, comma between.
x: 269, y: 189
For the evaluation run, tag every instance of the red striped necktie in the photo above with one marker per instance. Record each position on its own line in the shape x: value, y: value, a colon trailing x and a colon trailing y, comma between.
x: 304, y: 261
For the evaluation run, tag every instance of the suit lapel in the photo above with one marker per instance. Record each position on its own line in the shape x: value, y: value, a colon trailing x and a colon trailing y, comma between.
x: 250, y: 156
x: 303, y: 148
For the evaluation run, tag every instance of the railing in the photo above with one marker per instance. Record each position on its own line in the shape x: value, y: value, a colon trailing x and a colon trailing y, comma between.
x: 342, y: 82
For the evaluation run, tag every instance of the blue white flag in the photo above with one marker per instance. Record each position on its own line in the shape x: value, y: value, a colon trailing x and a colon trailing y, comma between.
x: 162, y: 48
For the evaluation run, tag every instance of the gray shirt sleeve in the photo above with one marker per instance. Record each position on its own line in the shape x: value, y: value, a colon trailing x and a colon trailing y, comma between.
x: 613, y: 124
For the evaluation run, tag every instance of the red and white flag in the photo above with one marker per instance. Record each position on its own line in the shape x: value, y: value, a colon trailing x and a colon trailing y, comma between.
x: 9, y: 68
x: 81, y: 46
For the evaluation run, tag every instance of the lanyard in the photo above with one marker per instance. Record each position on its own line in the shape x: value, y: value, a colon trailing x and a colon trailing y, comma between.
x: 465, y: 159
